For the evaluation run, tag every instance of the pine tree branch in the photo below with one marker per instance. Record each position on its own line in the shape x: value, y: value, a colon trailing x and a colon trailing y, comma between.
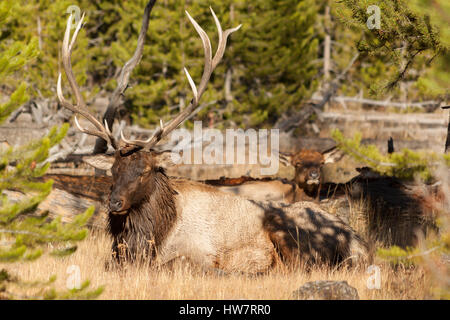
x: 427, y: 252
x: 9, y: 231
x: 401, y: 75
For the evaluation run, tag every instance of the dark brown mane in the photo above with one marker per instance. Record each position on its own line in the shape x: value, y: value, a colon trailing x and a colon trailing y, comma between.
x: 140, y: 232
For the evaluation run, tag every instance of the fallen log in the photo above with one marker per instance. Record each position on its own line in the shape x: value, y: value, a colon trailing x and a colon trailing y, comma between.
x: 60, y: 203
x: 72, y: 195
x: 431, y: 104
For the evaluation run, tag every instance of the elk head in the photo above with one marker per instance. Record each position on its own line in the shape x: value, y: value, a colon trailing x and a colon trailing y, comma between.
x: 135, y: 173
x: 308, y: 167
x: 136, y: 166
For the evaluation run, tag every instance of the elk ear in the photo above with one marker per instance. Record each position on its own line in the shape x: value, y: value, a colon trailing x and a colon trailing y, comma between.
x: 165, y: 159
x: 100, y: 161
x: 332, y: 155
x: 285, y: 159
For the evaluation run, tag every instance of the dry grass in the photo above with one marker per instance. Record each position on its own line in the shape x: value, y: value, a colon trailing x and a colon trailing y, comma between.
x: 182, y: 282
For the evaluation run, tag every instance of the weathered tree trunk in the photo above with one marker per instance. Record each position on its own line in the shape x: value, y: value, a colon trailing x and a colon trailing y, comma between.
x: 66, y: 205
x: 116, y: 98
x: 72, y: 195
x: 447, y: 141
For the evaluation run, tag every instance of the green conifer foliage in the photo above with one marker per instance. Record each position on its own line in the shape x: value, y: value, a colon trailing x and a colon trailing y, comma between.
x: 42, y: 24
x: 409, y: 39
x: 429, y: 255
x: 270, y: 61
x: 277, y: 50
x: 23, y: 234
x: 272, y: 64
x: 406, y: 164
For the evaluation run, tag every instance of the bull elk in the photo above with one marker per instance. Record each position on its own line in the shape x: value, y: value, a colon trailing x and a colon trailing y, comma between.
x: 160, y: 218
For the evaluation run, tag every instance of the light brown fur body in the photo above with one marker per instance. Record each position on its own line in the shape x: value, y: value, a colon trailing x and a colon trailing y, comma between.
x: 220, y: 230
x: 304, y: 187
x: 271, y: 190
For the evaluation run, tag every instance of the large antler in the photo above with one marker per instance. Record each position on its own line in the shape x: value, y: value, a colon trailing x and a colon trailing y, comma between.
x: 80, y: 106
x: 210, y: 65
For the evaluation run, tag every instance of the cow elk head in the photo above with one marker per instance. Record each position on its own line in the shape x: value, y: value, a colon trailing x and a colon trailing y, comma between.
x: 308, y: 167
x: 135, y: 163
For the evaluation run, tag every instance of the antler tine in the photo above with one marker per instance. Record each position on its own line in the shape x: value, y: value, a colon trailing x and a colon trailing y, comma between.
x: 66, y: 59
x: 87, y: 131
x: 223, y: 37
x: 144, y: 143
x: 210, y: 65
x: 141, y: 143
x: 207, y: 71
x: 80, y: 106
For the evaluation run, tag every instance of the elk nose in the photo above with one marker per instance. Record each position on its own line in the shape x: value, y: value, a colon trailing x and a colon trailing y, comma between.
x: 115, y: 205
x: 314, y: 175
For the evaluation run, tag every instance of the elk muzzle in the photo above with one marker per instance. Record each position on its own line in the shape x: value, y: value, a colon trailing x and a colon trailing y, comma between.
x: 117, y: 205
x: 313, y: 177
